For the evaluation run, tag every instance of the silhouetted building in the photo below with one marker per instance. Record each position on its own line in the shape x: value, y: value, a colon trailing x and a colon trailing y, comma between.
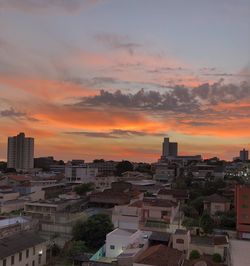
x: 244, y: 155
x: 20, y: 152
x: 169, y: 149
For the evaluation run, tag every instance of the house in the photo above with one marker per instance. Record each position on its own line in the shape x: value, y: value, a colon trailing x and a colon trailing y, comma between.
x: 210, y: 245
x: 177, y: 195
x: 216, y: 203
x: 159, y: 255
x: 150, y: 214
x: 119, y: 240
x: 22, y: 249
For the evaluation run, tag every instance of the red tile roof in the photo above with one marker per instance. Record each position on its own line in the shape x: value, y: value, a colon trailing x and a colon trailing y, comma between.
x: 160, y: 255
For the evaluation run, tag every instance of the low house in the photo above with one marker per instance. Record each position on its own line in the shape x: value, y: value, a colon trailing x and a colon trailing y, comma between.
x: 210, y: 244
x: 216, y: 203
x: 22, y: 249
x: 160, y: 255
x: 148, y: 214
x: 177, y: 195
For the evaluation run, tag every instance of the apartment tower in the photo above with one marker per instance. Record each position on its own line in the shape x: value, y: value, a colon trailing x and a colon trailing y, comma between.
x: 20, y: 152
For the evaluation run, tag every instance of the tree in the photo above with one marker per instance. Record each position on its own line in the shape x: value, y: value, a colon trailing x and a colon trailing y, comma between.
x: 93, y: 231
x: 190, y: 222
x: 217, y: 257
x: 206, y: 223
x: 197, y: 204
x: 124, y: 166
x: 194, y: 254
x: 81, y: 190
x: 76, y: 248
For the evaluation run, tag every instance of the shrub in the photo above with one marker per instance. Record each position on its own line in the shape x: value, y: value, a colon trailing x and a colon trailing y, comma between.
x: 217, y: 257
x: 194, y: 254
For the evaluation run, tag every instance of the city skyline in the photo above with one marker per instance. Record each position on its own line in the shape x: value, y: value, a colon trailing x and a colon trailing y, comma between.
x: 72, y: 73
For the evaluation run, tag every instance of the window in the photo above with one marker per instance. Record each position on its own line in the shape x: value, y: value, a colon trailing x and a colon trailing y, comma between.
x: 27, y: 253
x: 20, y: 256
x: 112, y: 247
x: 12, y: 260
x: 179, y: 241
x: 33, y: 263
x: 4, y: 262
x: 27, y: 264
x: 39, y: 259
x: 34, y: 250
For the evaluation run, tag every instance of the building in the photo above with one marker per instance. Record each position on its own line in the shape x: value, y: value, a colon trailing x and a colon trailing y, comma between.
x: 80, y: 173
x: 169, y: 149
x: 22, y: 249
x: 149, y: 214
x: 242, y: 206
x: 105, y: 168
x: 20, y: 152
x: 244, y: 155
x: 216, y: 203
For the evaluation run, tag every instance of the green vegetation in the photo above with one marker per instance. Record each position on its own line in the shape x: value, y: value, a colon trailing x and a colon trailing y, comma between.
x: 194, y: 254
x: 93, y: 231
x: 82, y: 190
x: 217, y: 257
x: 76, y: 248
x: 190, y: 222
x: 206, y: 223
x: 124, y: 166
x: 227, y: 219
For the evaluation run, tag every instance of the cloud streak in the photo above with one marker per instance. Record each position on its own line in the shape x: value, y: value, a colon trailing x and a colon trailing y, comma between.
x: 114, y: 134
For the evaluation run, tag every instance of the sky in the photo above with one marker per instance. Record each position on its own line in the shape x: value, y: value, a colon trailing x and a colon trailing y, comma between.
x: 110, y: 78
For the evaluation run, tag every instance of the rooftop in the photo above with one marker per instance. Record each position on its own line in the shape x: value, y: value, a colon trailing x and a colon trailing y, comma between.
x: 18, y: 242
x: 15, y: 220
x: 216, y: 198
x: 160, y: 255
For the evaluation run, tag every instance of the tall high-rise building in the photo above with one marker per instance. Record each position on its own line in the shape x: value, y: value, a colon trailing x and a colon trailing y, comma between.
x: 20, y: 152
x: 169, y: 149
x: 244, y: 155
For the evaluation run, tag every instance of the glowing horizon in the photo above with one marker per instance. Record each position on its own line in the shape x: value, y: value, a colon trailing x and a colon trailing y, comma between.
x: 100, y: 79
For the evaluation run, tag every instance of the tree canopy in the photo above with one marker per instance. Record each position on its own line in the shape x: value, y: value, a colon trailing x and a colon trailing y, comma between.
x: 81, y: 190
x: 206, y: 223
x: 124, y: 166
x: 93, y: 231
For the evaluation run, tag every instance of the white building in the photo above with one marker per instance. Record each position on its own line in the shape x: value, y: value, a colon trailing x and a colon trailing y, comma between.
x: 20, y: 152
x: 80, y: 173
x: 119, y: 240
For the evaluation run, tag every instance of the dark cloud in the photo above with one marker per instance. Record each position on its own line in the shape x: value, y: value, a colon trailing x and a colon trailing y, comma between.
x: 114, y: 134
x: 178, y: 99
x: 115, y: 41
x: 47, y: 5
x: 12, y: 113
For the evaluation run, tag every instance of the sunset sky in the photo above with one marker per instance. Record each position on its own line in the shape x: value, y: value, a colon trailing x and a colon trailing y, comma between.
x: 110, y: 78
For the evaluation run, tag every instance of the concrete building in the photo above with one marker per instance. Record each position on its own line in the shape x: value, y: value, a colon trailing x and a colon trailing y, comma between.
x: 80, y: 173
x: 22, y: 249
x: 148, y: 214
x: 20, y: 152
x: 216, y: 203
x: 244, y: 155
x: 119, y: 239
x: 169, y: 149
x: 242, y: 206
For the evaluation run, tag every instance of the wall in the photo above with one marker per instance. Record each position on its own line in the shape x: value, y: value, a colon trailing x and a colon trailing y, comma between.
x: 25, y: 261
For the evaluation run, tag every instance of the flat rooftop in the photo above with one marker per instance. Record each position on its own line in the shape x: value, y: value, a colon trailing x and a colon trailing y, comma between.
x: 10, y: 221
